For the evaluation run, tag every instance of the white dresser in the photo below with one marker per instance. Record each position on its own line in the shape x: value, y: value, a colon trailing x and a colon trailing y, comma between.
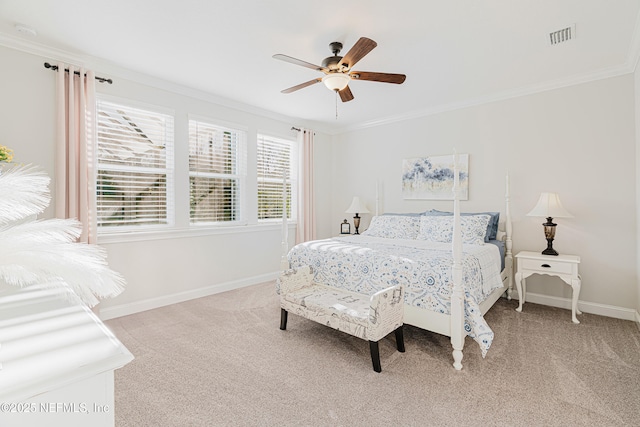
x: 57, y: 360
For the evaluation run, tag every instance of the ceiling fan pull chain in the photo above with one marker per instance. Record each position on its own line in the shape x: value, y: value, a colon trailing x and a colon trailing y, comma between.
x: 336, y: 105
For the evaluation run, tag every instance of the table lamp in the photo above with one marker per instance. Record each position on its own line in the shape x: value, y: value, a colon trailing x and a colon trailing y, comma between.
x: 356, y: 208
x: 549, y: 206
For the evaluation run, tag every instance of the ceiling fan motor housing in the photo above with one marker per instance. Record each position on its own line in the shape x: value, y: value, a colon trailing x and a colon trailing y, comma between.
x: 333, y: 62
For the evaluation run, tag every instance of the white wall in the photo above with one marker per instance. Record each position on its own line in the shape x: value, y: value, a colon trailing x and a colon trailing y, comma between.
x: 27, y: 109
x: 577, y: 141
x: 167, y: 268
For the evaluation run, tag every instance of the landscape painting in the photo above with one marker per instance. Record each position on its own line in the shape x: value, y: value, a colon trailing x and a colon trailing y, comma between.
x: 432, y: 177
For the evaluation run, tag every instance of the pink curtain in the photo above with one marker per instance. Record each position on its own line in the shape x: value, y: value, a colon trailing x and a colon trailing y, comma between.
x: 75, y: 195
x: 306, y: 197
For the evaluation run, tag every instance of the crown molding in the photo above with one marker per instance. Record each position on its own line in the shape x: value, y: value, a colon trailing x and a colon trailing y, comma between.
x: 39, y: 49
x: 115, y: 71
x: 634, y: 47
x: 627, y: 68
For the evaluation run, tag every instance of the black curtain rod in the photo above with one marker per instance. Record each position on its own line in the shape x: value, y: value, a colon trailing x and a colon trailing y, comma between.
x: 55, y: 68
x: 298, y: 129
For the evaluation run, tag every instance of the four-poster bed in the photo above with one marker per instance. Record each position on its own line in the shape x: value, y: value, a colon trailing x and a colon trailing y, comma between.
x: 449, y: 286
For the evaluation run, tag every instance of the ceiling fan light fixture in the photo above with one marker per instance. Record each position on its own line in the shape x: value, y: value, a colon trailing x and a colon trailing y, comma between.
x: 336, y: 81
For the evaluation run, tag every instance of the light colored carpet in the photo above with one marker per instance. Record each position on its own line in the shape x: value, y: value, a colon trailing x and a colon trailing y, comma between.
x: 223, y: 361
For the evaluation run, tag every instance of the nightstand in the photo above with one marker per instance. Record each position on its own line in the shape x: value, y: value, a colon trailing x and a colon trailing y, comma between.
x: 563, y: 266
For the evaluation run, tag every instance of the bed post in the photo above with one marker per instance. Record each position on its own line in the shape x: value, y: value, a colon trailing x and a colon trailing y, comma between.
x: 377, y: 198
x: 457, y: 297
x: 508, y: 256
x: 284, y: 263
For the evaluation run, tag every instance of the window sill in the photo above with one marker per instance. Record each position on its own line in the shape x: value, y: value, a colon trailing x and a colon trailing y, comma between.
x: 193, y: 231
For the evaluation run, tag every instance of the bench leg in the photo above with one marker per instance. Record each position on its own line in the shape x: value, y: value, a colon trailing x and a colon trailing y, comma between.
x: 400, y: 339
x: 283, y: 319
x: 375, y: 355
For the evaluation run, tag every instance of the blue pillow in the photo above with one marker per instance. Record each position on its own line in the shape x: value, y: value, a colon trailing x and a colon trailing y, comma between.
x: 492, y: 227
x: 403, y: 214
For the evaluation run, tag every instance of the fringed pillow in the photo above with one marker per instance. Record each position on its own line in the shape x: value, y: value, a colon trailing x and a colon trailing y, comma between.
x: 394, y: 227
x: 440, y: 229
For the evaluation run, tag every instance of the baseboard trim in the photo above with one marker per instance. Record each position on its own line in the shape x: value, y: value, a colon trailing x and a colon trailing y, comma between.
x: 584, y: 306
x: 151, y: 303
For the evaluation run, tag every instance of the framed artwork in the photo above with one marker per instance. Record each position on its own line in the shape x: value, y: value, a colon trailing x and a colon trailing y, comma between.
x: 431, y: 178
x: 345, y: 228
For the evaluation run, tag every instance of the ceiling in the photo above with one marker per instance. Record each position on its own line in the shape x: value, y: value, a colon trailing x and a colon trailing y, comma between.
x: 455, y: 53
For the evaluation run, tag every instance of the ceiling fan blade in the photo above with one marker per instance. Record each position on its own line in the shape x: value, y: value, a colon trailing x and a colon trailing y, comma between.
x: 378, y: 77
x: 296, y: 61
x: 302, y: 85
x: 345, y: 94
x: 358, y: 51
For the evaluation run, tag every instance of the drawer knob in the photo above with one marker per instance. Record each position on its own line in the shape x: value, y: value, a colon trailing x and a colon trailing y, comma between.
x: 545, y: 266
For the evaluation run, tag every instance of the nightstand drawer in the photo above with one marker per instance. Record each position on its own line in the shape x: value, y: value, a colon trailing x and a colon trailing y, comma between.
x: 546, y: 265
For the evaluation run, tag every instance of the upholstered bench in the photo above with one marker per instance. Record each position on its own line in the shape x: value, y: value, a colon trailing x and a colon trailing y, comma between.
x: 370, y: 317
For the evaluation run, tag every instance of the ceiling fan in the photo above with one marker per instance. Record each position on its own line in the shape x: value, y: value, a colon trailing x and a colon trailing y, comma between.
x: 337, y: 69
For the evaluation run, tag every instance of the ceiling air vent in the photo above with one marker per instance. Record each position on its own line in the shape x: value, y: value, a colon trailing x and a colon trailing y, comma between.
x: 563, y: 35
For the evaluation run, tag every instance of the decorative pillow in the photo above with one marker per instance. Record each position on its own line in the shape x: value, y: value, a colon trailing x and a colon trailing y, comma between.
x: 439, y: 228
x: 492, y: 227
x: 394, y: 227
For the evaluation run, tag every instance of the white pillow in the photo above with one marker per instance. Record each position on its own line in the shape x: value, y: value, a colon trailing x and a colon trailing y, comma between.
x: 394, y: 227
x: 440, y: 229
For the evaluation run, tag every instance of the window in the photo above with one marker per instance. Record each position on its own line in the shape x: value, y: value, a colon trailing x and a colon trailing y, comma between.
x: 277, y: 168
x: 217, y: 159
x: 134, y: 167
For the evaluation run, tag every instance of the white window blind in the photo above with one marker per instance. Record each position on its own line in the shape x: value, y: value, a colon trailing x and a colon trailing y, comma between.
x: 135, y: 167
x: 217, y: 170
x: 277, y: 171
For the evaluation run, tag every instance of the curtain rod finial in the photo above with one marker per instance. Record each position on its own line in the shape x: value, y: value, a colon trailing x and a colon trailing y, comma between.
x: 100, y: 79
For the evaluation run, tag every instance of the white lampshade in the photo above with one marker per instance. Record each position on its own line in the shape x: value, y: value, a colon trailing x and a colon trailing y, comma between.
x: 549, y: 206
x: 336, y: 81
x: 357, y: 206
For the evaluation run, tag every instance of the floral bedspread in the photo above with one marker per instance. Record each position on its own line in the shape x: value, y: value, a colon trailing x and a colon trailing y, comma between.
x: 366, y: 264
